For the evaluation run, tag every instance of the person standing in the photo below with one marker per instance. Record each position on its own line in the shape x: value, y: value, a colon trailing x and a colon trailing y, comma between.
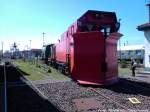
x: 133, y: 66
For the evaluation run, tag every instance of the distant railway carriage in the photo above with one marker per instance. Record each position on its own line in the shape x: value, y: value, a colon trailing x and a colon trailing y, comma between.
x: 128, y: 51
x: 88, y: 49
x: 46, y: 53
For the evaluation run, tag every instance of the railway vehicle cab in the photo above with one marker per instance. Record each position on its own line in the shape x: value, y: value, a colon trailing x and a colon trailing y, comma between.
x: 94, y: 21
x: 97, y: 21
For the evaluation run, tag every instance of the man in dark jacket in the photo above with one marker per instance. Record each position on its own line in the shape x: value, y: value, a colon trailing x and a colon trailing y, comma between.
x: 133, y: 66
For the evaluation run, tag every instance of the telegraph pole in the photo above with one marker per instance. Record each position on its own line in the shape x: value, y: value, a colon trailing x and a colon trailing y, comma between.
x: 43, y: 38
x: 27, y: 52
x: 2, y: 48
x: 30, y: 44
x: 30, y: 49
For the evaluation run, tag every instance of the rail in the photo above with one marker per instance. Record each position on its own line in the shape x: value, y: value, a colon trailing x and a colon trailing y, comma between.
x: 5, y: 90
x: 99, y: 93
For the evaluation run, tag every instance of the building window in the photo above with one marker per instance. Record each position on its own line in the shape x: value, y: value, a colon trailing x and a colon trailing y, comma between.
x: 138, y: 52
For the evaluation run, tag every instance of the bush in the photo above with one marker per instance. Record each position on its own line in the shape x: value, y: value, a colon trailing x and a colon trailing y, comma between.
x: 49, y: 70
x: 39, y: 66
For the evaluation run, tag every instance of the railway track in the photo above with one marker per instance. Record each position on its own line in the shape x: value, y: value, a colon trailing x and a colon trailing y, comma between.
x: 122, y: 102
x: 20, y: 96
x: 3, y: 90
x: 120, y: 93
x: 140, y: 90
x: 108, y: 98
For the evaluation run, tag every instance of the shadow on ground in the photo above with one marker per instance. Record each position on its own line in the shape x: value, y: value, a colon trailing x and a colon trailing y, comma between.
x: 22, y: 97
x: 24, y: 73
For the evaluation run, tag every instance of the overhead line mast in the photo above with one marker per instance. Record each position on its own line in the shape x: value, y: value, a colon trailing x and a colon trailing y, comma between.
x: 43, y: 38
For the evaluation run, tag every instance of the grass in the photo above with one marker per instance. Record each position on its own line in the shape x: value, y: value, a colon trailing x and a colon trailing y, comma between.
x: 127, y: 70
x: 57, y: 75
x: 124, y: 71
x: 29, y: 70
x: 34, y: 72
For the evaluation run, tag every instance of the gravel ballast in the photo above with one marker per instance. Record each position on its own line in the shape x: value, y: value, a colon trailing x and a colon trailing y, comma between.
x: 62, y: 95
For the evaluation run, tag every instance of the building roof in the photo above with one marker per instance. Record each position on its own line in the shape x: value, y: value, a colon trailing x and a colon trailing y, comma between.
x: 131, y: 47
x: 144, y: 27
x: 36, y: 49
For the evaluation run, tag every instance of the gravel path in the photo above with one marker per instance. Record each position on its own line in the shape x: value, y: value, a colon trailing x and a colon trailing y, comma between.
x: 48, y: 79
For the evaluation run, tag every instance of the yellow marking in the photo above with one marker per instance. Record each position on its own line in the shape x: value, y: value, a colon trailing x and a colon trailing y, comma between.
x: 134, y: 100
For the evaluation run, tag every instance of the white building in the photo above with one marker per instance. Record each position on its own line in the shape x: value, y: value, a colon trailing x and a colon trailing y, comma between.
x: 146, y: 29
x: 128, y: 51
x: 0, y: 53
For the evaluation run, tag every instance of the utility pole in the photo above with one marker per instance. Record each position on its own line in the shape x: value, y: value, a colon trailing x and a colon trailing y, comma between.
x: 43, y: 38
x: 30, y: 44
x: 27, y: 51
x: 30, y: 49
x: 2, y: 48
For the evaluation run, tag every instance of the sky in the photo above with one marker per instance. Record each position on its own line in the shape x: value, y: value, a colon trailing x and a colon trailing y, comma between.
x: 25, y: 20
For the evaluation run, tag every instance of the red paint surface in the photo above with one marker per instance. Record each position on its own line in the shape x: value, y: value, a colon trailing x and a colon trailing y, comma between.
x: 61, y: 51
x: 111, y: 55
x: 88, y: 56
